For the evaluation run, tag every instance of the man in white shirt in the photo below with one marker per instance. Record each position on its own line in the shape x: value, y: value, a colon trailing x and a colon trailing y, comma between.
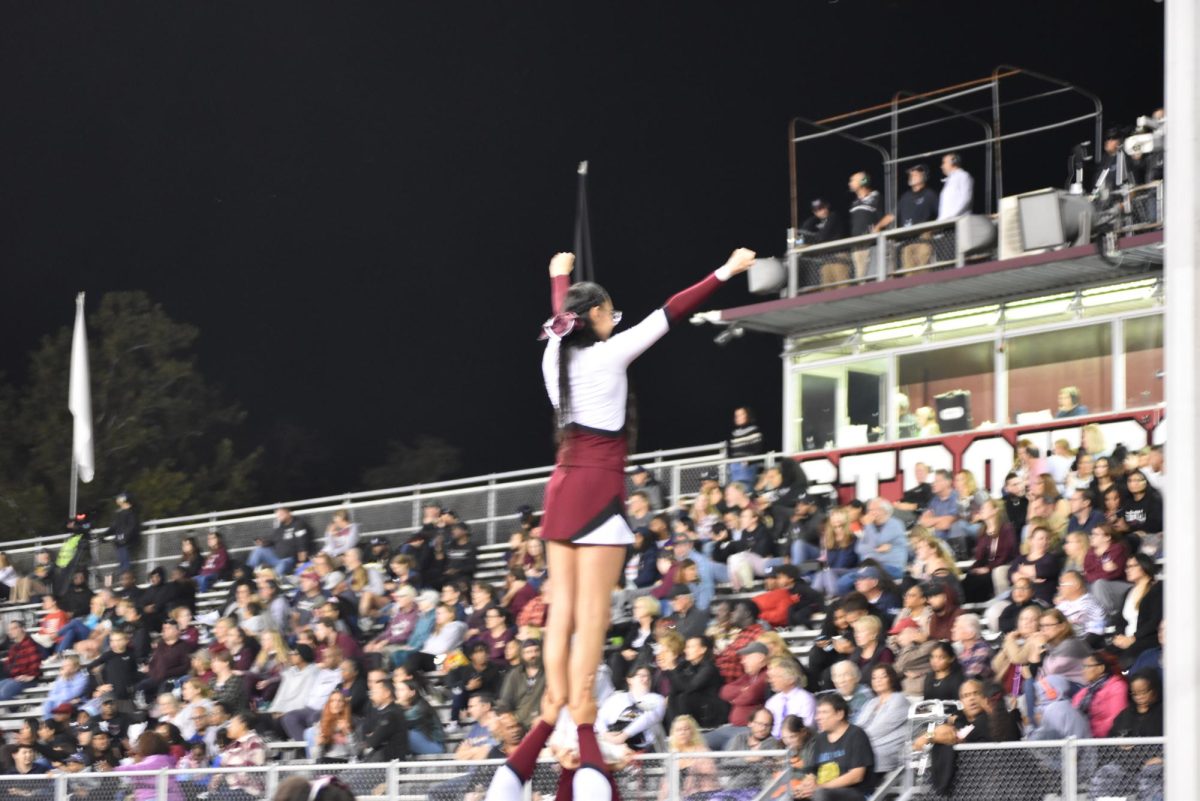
x: 958, y: 189
x: 784, y: 677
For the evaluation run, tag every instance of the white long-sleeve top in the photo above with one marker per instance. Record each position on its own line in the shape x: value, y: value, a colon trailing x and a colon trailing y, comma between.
x: 957, y: 195
x: 599, y: 386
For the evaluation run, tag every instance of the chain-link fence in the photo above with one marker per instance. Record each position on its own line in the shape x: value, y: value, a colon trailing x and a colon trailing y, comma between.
x: 488, y: 503
x: 1145, y: 209
x: 921, y: 247
x: 1061, y: 769
x: 840, y: 263
x: 725, y: 776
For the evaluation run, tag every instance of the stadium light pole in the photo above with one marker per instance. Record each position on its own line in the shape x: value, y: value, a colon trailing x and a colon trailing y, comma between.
x: 1182, y: 651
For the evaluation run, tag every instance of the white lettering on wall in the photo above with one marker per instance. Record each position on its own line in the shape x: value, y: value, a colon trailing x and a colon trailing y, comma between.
x: 989, y: 450
x: 866, y: 470
x: 938, y: 457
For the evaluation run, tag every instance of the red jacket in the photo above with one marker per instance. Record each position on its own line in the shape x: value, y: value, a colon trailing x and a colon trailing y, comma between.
x: 773, y: 606
x: 729, y: 662
x: 745, y: 697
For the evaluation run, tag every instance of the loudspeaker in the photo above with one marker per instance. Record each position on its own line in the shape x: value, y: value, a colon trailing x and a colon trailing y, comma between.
x: 954, y: 411
x: 766, y: 276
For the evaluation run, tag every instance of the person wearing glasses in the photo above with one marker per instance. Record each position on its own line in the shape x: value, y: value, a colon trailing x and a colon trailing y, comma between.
x: 1106, y: 694
x: 584, y: 370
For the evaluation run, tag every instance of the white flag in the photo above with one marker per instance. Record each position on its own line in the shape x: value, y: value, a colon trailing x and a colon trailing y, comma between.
x: 79, y: 398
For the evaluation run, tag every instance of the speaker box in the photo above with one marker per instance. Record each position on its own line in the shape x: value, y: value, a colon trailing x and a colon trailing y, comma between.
x: 766, y: 276
x: 954, y: 411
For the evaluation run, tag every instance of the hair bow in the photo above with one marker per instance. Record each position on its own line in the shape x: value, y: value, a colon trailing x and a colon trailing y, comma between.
x: 560, y: 325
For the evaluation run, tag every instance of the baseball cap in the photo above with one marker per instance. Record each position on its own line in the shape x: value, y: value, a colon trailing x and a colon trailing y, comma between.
x: 679, y: 590
x: 710, y: 475
x: 935, y: 587
x: 867, y: 572
x: 819, y: 203
x: 641, y: 468
x: 63, y: 709
x: 754, y: 648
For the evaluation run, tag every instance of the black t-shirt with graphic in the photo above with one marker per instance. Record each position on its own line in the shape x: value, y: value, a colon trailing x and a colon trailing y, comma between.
x: 852, y: 750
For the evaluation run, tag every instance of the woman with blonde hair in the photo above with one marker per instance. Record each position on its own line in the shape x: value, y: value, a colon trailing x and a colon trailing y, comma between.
x: 262, y: 680
x: 697, y: 774
x: 776, y: 645
x: 838, y: 553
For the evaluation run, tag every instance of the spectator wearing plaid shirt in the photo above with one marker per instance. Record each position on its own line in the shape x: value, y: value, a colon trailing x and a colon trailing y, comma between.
x: 245, y: 749
x: 23, y: 664
x: 744, y: 618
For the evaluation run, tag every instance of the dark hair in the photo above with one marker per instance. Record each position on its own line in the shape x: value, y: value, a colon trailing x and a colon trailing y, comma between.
x: 835, y: 702
x: 580, y: 299
x: 1147, y: 564
x: 855, y: 602
x: 948, y: 650
x: 706, y: 641
x: 893, y: 676
x: 152, y: 743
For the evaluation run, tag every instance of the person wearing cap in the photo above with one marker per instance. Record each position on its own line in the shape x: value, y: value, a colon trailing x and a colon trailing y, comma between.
x: 785, y: 590
x: 689, y: 620
x: 917, y: 206
x: 125, y: 531
x: 870, y: 582
x: 944, y: 610
x: 824, y: 225
x: 704, y: 588
x: 644, y: 481
x: 745, y: 696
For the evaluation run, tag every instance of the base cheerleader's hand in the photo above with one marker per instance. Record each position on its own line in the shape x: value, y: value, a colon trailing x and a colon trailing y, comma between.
x: 562, y: 264
x: 740, y: 261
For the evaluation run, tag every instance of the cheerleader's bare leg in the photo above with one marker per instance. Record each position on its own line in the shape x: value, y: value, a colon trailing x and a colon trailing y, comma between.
x: 598, y: 568
x: 510, y: 779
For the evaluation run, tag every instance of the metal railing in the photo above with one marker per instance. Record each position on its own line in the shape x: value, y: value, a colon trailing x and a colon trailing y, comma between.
x: 889, y: 254
x: 750, y: 775
x: 1073, y: 768
x: 488, y: 503
x: 1143, y: 209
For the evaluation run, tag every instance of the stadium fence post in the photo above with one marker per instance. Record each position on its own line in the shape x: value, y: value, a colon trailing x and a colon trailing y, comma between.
x: 673, y: 777
x: 60, y: 787
x: 1070, y: 770
x: 393, y: 779
x: 491, y: 512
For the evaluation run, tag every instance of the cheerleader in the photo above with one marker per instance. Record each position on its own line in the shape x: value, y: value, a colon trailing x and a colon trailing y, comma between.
x: 584, y: 526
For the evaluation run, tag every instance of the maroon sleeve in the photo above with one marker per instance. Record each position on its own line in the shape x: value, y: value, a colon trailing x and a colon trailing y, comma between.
x: 682, y: 304
x: 559, y: 284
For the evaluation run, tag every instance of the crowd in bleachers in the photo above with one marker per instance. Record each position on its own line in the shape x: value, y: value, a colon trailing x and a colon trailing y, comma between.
x: 752, y: 615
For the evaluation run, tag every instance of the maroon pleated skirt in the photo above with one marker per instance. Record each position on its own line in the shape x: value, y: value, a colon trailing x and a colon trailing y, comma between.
x: 587, y: 489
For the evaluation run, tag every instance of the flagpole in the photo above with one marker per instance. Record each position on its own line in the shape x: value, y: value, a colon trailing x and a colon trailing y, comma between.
x: 74, y: 487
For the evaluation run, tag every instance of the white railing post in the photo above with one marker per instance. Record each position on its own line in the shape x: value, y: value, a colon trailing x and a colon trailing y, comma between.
x: 491, y: 512
x: 676, y: 485
x: 60, y: 787
x: 393, y: 779
x: 160, y: 785
x: 673, y: 777
x: 272, y: 781
x: 151, y: 554
x: 1070, y: 770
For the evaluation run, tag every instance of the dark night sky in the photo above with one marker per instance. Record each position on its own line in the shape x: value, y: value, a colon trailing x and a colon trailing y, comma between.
x: 355, y: 202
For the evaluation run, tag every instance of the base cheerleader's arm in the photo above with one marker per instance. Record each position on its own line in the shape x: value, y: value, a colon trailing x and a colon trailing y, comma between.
x: 560, y: 279
x: 681, y: 305
x: 628, y: 345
